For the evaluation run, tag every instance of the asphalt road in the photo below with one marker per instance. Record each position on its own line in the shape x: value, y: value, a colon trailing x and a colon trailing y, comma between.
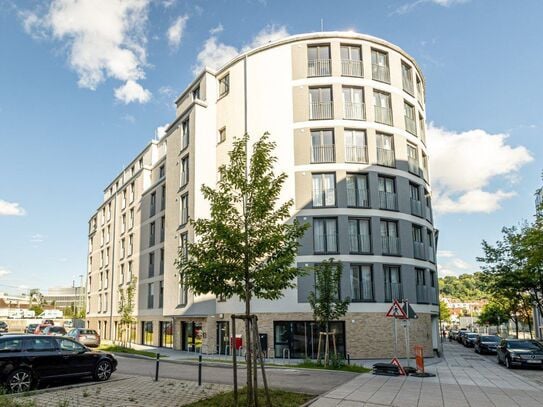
x: 300, y: 380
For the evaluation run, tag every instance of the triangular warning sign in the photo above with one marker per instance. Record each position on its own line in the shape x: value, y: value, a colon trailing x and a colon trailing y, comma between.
x: 409, y: 311
x: 396, y: 311
x: 396, y: 362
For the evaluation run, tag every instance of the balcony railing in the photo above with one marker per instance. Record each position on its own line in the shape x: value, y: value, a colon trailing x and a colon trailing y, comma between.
x: 393, y: 291
x: 351, y: 67
x: 410, y: 125
x: 416, y: 207
x: 413, y: 165
x: 388, y: 200
x: 433, y: 295
x: 422, y: 294
x: 324, y: 197
x: 385, y: 157
x: 390, y: 244
x: 408, y: 85
x: 380, y: 73
x: 422, y: 133
x: 360, y: 243
x: 324, y: 153
x: 326, y: 243
x: 354, y: 154
x: 320, y: 110
x: 318, y: 67
x: 151, y: 270
x: 431, y: 254
x: 358, y: 198
x: 383, y: 115
x: 428, y: 214
x: 354, y: 111
x: 418, y: 250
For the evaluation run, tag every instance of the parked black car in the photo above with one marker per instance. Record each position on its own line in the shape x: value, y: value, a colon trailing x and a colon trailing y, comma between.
x: 487, y: 343
x: 26, y: 360
x: 31, y: 328
x: 520, y: 352
x: 468, y: 339
x: 3, y: 326
x: 461, y: 333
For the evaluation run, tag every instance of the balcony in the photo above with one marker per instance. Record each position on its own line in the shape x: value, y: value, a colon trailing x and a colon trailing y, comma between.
x: 418, y: 250
x: 350, y: 67
x: 431, y: 254
x: 354, y: 154
x: 383, y: 115
x: 324, y: 153
x: 354, y: 111
x: 422, y: 294
x: 358, y: 198
x: 413, y: 165
x: 393, y: 291
x: 360, y: 243
x: 387, y: 200
x: 390, y: 245
x: 326, y: 243
x: 408, y: 85
x: 416, y: 207
x: 385, y: 157
x: 410, y: 125
x: 433, y: 295
x: 320, y: 110
x: 318, y: 67
x: 380, y: 73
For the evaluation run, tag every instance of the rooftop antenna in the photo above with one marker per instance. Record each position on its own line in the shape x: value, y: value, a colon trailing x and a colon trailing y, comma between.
x: 322, y: 24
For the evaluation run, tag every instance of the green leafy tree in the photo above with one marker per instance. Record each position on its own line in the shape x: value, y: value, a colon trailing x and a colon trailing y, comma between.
x: 126, y: 310
x: 494, y: 313
x: 38, y: 309
x: 325, y: 300
x: 247, y: 247
x: 444, y: 312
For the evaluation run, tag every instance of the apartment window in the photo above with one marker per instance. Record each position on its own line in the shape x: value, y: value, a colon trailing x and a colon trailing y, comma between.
x: 152, y: 234
x: 162, y: 228
x: 130, y: 271
x: 353, y: 103
x: 88, y: 304
x: 109, y: 211
x: 132, y: 192
x: 161, y: 266
x: 108, y: 234
x: 163, y: 197
x: 433, y: 292
x: 123, y: 199
x: 356, y: 150
x: 102, y: 234
x: 357, y: 191
x: 101, y: 258
x: 420, y: 91
x: 123, y: 223
x: 150, y: 296
x: 132, y: 170
x: 361, y: 283
x: 183, y: 245
x: 153, y: 204
x: 389, y: 237
x: 410, y: 118
x: 431, y: 253
x: 161, y: 171
x: 383, y: 107
x: 184, y: 209
x: 325, y: 235
x: 103, y: 216
x: 385, y: 150
x: 422, y: 128
x: 393, y: 284
x: 161, y: 294
x: 106, y: 280
x: 131, y: 219
x: 224, y: 85
x: 416, y: 204
x: 407, y: 79
x: 196, y: 93
x: 140, y: 163
x: 121, y: 274
x: 122, y: 248
x: 335, y: 295
x: 387, y: 193
x: 89, y: 286
x: 184, y: 171
x: 359, y: 236
x: 222, y: 135
x: 324, y: 190
x: 380, y: 70
x: 99, y: 305
x: 130, y: 244
x: 418, y: 243
x: 151, y: 271
x: 322, y: 146
x: 101, y: 282
x: 186, y: 134
x: 320, y: 103
x: 107, y: 256
x: 422, y: 292
x: 424, y: 166
x: 182, y: 294
x: 413, y: 159
x: 351, y: 60
x: 318, y: 60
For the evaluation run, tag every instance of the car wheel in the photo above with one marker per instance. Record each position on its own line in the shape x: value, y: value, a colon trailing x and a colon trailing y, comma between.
x: 19, y: 380
x: 508, y: 362
x: 103, y: 370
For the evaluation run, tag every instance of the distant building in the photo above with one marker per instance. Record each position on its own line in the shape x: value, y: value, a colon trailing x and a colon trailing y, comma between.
x: 64, y: 297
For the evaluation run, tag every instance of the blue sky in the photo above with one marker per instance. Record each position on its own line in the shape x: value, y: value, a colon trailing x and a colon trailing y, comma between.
x: 78, y: 78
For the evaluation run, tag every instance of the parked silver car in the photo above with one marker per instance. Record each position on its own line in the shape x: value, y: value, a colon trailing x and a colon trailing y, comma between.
x: 88, y: 337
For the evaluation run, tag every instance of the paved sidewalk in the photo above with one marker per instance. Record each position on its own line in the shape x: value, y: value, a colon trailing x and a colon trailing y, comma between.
x: 463, y: 379
x: 127, y: 391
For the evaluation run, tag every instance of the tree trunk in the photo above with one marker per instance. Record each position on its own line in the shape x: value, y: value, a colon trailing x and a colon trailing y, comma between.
x: 516, y: 326
x: 248, y: 348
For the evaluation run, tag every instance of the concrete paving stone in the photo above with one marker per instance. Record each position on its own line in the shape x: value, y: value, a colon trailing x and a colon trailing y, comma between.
x: 326, y: 402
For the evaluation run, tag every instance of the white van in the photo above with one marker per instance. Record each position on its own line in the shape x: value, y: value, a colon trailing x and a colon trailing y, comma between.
x: 51, y: 314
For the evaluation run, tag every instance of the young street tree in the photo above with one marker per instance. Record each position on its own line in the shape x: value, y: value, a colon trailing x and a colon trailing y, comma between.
x: 247, y: 247
x: 325, y: 300
x: 126, y: 310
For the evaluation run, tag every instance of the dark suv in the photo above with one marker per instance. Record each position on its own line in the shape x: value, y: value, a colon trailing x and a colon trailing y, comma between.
x: 3, y: 326
x: 487, y: 343
x: 26, y: 360
x: 520, y: 352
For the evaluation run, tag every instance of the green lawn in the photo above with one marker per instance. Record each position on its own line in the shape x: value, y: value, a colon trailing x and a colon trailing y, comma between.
x: 121, y: 349
x: 278, y: 398
x: 345, y: 368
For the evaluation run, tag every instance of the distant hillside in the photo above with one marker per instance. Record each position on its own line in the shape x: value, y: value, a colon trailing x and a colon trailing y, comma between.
x: 467, y: 287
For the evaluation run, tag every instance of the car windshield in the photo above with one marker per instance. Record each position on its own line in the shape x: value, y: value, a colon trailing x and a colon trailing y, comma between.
x: 472, y: 336
x: 87, y: 332
x: 56, y: 329
x: 525, y: 345
x: 490, y: 338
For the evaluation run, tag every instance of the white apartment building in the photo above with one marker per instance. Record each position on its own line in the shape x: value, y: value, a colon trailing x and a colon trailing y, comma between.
x: 347, y: 112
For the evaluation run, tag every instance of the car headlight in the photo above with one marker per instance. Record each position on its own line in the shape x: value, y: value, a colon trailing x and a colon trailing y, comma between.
x: 515, y: 355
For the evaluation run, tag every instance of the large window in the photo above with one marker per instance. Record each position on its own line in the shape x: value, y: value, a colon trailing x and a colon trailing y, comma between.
x: 407, y: 79
x: 379, y: 66
x: 353, y: 103
x: 413, y: 159
x: 224, y: 85
x: 361, y: 283
x: 416, y: 204
x: 300, y: 339
x: 152, y: 231
x: 318, y: 60
x: 151, y: 265
x: 147, y: 332
x: 184, y: 171
x: 393, y: 283
x: 389, y: 237
x: 357, y: 191
x: 359, y: 236
x: 418, y: 243
x: 184, y: 209
x: 320, y: 103
x: 325, y: 235
x: 422, y: 292
x: 324, y: 190
x: 351, y: 60
x: 166, y: 334
x: 322, y: 146
x: 431, y: 253
x: 382, y: 107
x: 182, y: 294
x: 153, y: 204
x: 410, y: 118
x: 161, y: 294
x: 385, y: 150
x: 185, y: 126
x: 387, y: 193
x: 150, y: 296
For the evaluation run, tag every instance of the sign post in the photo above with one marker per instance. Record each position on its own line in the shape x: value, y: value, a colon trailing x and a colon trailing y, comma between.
x: 396, y: 311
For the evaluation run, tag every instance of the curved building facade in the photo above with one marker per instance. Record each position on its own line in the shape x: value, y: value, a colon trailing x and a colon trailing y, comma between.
x: 347, y: 112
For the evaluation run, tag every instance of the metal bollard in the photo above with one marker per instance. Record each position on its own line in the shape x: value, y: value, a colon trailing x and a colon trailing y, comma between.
x: 199, y: 370
x: 348, y: 358
x: 157, y: 365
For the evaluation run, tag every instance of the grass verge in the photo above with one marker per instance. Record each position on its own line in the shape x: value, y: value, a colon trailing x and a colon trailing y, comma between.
x: 306, y: 364
x: 122, y: 349
x: 278, y: 398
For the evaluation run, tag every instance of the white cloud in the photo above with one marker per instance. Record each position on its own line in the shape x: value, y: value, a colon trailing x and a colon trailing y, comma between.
x: 129, y: 118
x: 11, y: 209
x: 406, y: 8
x: 175, y: 32
x: 37, y: 238
x: 161, y: 130
x: 444, y: 253
x: 463, y: 164
x: 215, y: 54
x: 132, y: 92
x: 4, y: 271
x: 168, y: 3
x: 449, y: 264
x: 104, y: 38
